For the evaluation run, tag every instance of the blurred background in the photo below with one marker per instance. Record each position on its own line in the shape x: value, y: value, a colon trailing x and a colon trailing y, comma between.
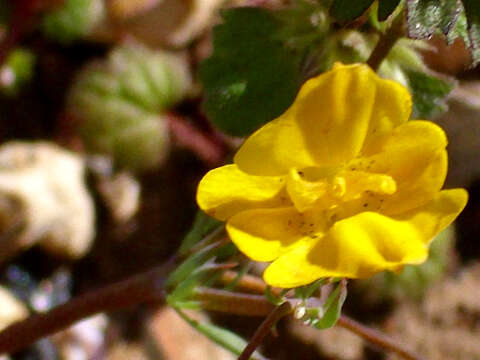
x: 105, y: 131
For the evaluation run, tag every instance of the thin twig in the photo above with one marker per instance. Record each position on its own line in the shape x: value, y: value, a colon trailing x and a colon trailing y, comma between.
x: 387, y: 41
x: 206, y: 148
x: 255, y: 284
x: 232, y: 302
x: 376, y: 337
x: 138, y: 289
x: 264, y: 329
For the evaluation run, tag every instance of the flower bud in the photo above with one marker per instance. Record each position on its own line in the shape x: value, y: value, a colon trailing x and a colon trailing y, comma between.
x: 119, y: 104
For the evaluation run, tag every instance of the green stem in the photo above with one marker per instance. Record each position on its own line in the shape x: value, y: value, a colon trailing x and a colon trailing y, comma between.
x: 395, y: 32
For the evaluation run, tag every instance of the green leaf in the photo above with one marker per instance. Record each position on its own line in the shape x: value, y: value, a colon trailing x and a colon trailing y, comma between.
x: 304, y: 292
x: 220, y: 336
x: 426, y: 17
x: 428, y: 92
x: 252, y: 76
x: 347, y: 10
x: 203, y: 225
x: 185, y: 269
x: 386, y: 8
x: 273, y: 298
x: 202, y: 276
x: 333, y: 306
x: 453, y: 18
x: 472, y: 10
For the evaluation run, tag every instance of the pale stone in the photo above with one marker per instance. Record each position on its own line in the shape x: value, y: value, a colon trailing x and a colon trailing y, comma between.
x: 11, y: 309
x: 43, y: 199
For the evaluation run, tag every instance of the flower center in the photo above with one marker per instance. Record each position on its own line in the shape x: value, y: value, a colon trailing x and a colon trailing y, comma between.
x: 338, y: 192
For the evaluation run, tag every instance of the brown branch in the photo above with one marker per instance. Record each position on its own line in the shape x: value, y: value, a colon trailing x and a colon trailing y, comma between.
x: 377, y: 338
x: 138, y: 289
x: 255, y: 284
x: 233, y: 303
x: 187, y: 135
x: 149, y: 286
x: 264, y: 329
x: 387, y: 41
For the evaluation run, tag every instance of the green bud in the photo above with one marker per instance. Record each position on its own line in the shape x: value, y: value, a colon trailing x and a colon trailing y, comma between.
x: 17, y: 70
x: 73, y: 20
x: 120, y: 101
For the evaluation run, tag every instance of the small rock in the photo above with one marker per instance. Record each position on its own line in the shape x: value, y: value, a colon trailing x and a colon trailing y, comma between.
x: 43, y: 199
x: 11, y: 310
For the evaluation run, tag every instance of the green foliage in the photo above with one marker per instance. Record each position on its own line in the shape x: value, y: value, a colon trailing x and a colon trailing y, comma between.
x: 426, y: 17
x: 252, y: 76
x: 187, y: 268
x: 276, y: 300
x: 221, y: 336
x: 428, y: 92
x: 327, y: 315
x: 203, y: 225
x: 333, y: 307
x: 74, y: 19
x: 17, y: 70
x: 119, y: 101
x: 347, y: 10
x: 453, y: 18
x: 386, y: 8
x: 472, y: 10
x: 304, y: 292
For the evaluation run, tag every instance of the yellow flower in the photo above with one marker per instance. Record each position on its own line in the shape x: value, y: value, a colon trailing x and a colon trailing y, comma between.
x: 340, y: 185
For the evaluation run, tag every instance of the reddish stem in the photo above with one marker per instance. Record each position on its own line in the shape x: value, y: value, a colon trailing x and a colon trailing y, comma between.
x: 138, y: 289
x: 205, y: 147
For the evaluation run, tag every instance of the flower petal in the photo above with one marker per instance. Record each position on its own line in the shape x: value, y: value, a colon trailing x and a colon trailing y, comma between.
x: 436, y: 215
x: 265, y: 234
x: 367, y: 243
x: 414, y: 156
x: 304, y: 194
x: 392, y: 107
x: 226, y: 191
x: 325, y: 126
x: 356, y: 247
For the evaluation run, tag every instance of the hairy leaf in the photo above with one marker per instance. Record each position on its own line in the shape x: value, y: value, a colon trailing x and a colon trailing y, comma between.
x: 347, y: 10
x: 333, y: 307
x: 252, y: 76
x: 453, y: 18
x: 386, y: 8
x: 428, y: 93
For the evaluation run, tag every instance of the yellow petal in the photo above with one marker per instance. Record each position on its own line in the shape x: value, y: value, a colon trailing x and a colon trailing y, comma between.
x: 436, y: 215
x: 392, y: 107
x: 265, y: 234
x: 305, y: 194
x: 414, y: 156
x: 367, y: 243
x: 357, y: 247
x: 275, y: 148
x: 225, y: 191
x: 325, y: 126
x: 359, y: 182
